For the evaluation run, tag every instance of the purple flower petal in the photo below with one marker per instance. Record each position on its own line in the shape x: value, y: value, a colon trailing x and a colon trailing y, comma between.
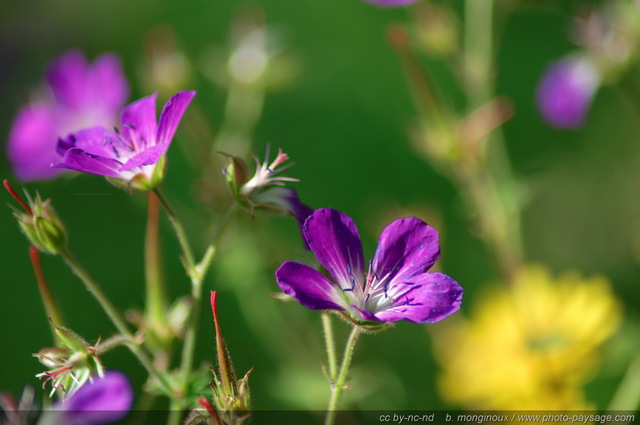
x: 397, y: 286
x: 310, y: 287
x: 391, y: 3
x: 94, y: 140
x: 107, y: 83
x: 147, y: 157
x: 297, y: 209
x: 138, y: 122
x: 171, y: 115
x: 406, y: 247
x: 67, y: 77
x: 333, y: 237
x: 79, y: 160
x: 105, y: 400
x: 430, y: 298
x: 31, y: 144
x: 566, y: 90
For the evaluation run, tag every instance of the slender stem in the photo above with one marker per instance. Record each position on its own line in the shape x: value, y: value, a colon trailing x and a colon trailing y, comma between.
x: 627, y: 396
x: 113, y: 342
x: 196, y: 294
x: 483, y: 179
x: 49, y: 301
x: 96, y: 291
x: 115, y: 317
x: 498, y: 217
x: 203, y: 265
x: 156, y: 297
x: 420, y: 86
x: 330, y: 343
x: 338, y: 387
x: 478, y: 46
x: 198, y: 274
x: 175, y: 412
x: 180, y: 232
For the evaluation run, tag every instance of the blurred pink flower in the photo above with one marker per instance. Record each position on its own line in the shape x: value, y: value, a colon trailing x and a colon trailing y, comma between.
x: 81, y: 95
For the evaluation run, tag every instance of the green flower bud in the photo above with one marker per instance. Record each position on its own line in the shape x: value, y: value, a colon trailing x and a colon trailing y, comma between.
x: 39, y: 222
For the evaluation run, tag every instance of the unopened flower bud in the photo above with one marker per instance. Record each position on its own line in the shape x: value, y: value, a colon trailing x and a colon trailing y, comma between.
x: 39, y: 222
x: 230, y: 401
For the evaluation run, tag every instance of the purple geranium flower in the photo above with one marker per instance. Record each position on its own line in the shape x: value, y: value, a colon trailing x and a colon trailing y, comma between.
x: 102, y: 401
x: 132, y: 154
x: 391, y: 3
x: 566, y: 90
x: 397, y: 285
x: 81, y: 95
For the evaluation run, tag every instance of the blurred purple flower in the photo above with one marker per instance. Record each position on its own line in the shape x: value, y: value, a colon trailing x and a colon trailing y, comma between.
x: 397, y: 285
x: 135, y: 150
x: 102, y: 401
x: 566, y: 90
x: 391, y: 3
x: 81, y: 95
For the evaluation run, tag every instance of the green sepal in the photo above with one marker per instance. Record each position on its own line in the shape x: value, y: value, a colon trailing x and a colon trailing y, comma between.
x: 72, y: 340
x: 42, y: 227
x: 366, y: 326
x: 158, y: 173
x: 236, y: 173
x: 29, y: 230
x: 52, y: 238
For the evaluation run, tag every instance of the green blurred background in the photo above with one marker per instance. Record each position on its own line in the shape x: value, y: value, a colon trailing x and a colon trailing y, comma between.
x: 344, y: 122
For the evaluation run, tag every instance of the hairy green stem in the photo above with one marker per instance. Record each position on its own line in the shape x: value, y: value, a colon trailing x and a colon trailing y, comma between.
x: 330, y: 343
x: 156, y: 297
x: 189, y: 261
x: 116, y: 318
x: 339, y: 385
x: 196, y: 293
x: 113, y: 342
x: 197, y: 274
x: 203, y: 265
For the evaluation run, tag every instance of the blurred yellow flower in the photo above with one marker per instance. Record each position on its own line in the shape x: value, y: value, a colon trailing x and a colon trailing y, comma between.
x: 529, y: 346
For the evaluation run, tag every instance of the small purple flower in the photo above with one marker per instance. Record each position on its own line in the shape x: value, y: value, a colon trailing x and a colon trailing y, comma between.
x: 566, y: 90
x: 102, y: 401
x: 132, y: 154
x: 397, y: 285
x: 81, y: 95
x: 391, y: 3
